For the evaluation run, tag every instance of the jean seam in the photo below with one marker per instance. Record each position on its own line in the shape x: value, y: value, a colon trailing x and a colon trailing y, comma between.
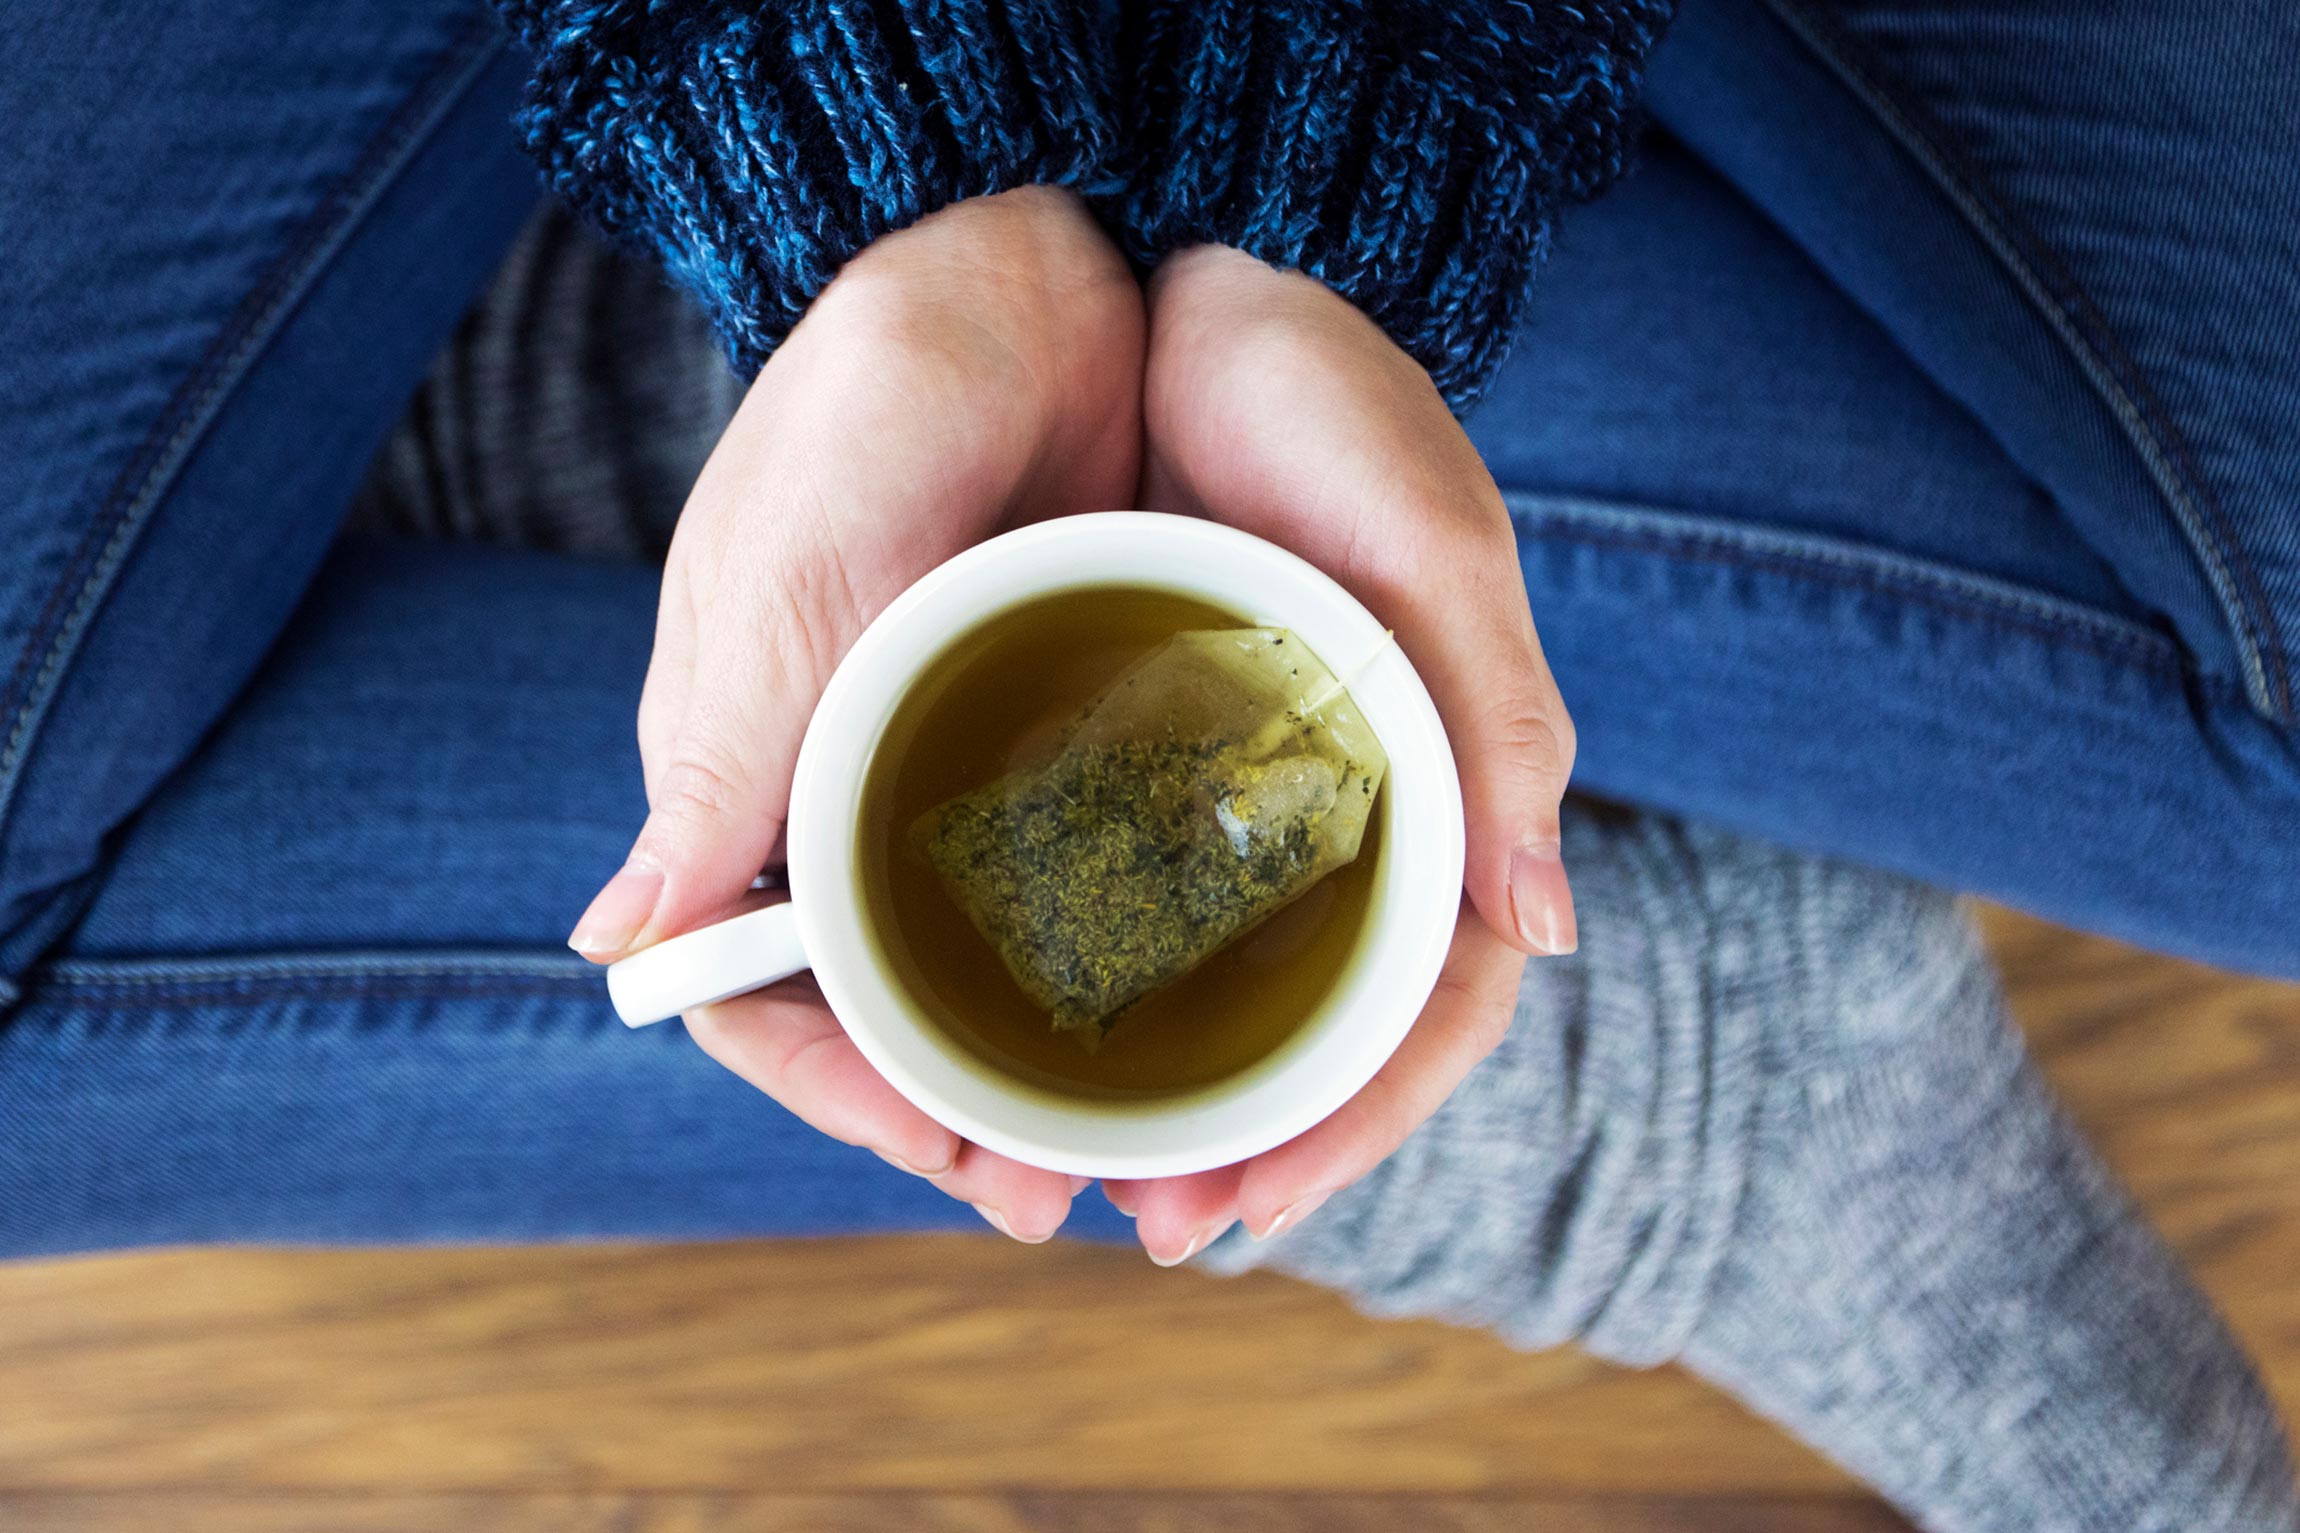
x: 183, y: 423
x: 316, y: 973
x: 2100, y: 356
x: 1948, y: 590
x: 261, y: 978
x: 253, y: 995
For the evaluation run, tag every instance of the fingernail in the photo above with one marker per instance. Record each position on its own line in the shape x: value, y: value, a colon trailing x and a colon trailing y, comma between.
x: 998, y: 1223
x: 1198, y: 1242
x: 1079, y: 1184
x: 1124, y: 1202
x: 618, y: 913
x: 1294, y: 1213
x: 1540, y: 900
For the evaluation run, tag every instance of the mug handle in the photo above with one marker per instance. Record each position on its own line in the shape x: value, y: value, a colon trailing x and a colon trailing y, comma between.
x: 710, y: 964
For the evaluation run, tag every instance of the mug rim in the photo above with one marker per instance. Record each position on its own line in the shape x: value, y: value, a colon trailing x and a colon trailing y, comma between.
x: 1417, y: 895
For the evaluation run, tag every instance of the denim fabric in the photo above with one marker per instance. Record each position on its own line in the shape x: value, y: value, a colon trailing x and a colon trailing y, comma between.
x: 395, y: 821
x: 1831, y: 534
x: 237, y: 231
x: 1791, y: 585
x: 2083, y: 221
x: 2196, y: 193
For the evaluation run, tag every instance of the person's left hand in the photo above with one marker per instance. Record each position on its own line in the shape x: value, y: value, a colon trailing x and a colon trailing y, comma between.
x: 1272, y: 404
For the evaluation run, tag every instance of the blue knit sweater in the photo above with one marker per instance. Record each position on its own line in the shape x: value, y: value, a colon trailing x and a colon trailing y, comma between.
x: 1409, y: 154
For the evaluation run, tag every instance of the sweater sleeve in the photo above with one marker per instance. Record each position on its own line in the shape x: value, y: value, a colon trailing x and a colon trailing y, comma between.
x: 753, y: 146
x: 1408, y: 153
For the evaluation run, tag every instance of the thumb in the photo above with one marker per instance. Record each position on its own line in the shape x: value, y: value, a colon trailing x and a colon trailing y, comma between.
x: 718, y: 791
x: 1512, y: 739
x: 1514, y: 748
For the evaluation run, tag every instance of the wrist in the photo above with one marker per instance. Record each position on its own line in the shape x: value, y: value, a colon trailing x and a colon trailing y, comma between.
x: 1018, y: 256
x: 1021, y: 291
x: 1211, y: 297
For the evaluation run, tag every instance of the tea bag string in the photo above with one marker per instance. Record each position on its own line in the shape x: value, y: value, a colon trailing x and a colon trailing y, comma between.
x: 1273, y: 733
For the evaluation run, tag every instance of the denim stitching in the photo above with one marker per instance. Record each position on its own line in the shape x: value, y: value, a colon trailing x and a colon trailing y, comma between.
x: 2163, y: 448
x: 1951, y: 591
x: 1964, y: 586
x: 106, y: 973
x: 258, y: 978
x: 266, y: 993
x: 156, y: 462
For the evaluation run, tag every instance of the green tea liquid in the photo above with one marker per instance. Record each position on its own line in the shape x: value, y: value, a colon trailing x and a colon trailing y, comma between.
x: 999, y: 697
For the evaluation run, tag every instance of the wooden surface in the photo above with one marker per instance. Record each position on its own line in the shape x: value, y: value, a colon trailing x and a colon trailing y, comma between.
x: 973, y: 1386
x: 894, y: 1512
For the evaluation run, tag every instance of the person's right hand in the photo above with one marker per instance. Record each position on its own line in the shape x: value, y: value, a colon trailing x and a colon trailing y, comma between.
x: 978, y: 369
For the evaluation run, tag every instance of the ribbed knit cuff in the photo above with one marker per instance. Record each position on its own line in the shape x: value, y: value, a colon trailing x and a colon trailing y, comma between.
x: 1409, y: 155
x: 753, y: 148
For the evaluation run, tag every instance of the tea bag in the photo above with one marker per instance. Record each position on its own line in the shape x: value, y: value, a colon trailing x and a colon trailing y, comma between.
x: 1218, y: 778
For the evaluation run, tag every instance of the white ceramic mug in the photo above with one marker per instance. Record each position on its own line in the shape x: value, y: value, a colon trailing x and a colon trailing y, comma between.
x: 824, y: 927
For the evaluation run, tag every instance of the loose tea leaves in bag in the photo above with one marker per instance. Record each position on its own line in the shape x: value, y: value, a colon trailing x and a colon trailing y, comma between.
x: 1219, y: 777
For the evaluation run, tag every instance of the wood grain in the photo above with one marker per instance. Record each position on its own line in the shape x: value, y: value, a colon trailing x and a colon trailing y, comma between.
x: 1042, y: 1512
x: 944, y: 1363
x: 967, y: 1384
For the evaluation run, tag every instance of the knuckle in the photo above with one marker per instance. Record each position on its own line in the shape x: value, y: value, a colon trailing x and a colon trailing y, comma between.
x: 1490, y: 1021
x: 795, y: 1073
x: 1485, y: 1006
x: 1457, y: 990
x: 1566, y: 742
x: 697, y: 786
x: 1537, y: 745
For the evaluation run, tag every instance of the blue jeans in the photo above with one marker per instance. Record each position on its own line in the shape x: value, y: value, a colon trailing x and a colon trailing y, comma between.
x: 1902, y: 465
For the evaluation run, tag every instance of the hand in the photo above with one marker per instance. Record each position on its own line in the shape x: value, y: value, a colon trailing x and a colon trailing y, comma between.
x: 978, y: 369
x: 1272, y: 404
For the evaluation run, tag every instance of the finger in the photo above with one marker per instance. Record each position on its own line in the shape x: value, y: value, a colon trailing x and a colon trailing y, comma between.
x: 1512, y: 739
x: 1464, y: 1021
x: 1176, y: 1217
x: 785, y: 1041
x: 726, y: 703
x: 816, y: 507
x: 670, y: 668
x: 1019, y: 1201
x: 722, y: 791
